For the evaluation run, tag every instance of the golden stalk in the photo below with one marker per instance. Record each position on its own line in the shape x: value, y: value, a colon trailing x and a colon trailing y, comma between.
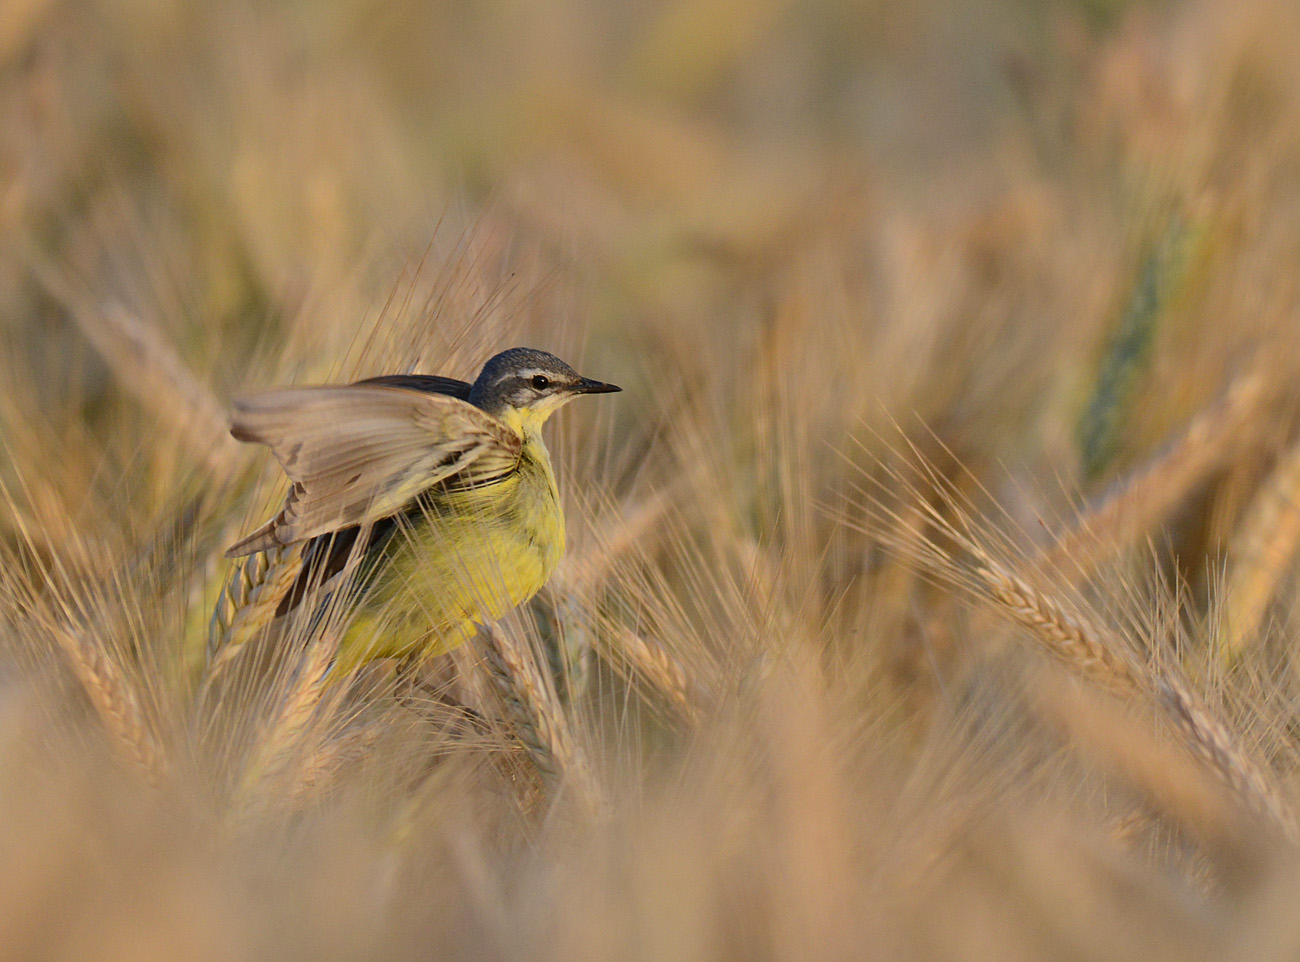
x: 148, y: 367
x: 1210, y: 740
x: 114, y: 701
x: 247, y: 604
x: 1097, y: 654
x: 1064, y: 633
x: 1260, y: 556
x: 279, y: 754
x: 651, y: 661
x: 535, y: 715
x: 1151, y: 492
x: 1173, y: 782
x: 630, y: 651
x: 322, y: 767
x: 587, y: 570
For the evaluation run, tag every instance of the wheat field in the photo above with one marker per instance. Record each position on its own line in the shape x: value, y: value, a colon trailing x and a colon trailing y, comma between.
x: 931, y: 590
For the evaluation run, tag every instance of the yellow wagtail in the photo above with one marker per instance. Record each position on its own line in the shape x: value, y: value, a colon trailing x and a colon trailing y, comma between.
x: 438, y: 494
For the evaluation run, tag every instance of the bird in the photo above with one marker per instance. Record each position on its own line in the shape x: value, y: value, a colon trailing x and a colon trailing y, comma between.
x: 435, y: 496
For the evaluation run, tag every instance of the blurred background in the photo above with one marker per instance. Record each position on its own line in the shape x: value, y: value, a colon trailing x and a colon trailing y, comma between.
x: 242, y: 162
x: 905, y: 299
x: 994, y: 171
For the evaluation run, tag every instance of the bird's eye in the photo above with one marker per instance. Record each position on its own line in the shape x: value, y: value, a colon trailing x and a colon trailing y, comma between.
x: 541, y: 382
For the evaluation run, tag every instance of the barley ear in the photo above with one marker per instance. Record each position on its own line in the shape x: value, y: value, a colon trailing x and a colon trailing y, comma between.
x: 247, y: 604
x: 1097, y: 654
x: 1262, y: 552
x: 1145, y: 497
x: 281, y: 752
x: 530, y: 705
x: 115, y: 701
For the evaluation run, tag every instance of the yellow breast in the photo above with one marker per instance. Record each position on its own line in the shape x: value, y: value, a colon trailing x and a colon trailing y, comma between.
x: 475, y: 554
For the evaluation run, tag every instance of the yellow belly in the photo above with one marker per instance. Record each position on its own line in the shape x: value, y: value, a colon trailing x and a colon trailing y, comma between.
x: 473, y: 556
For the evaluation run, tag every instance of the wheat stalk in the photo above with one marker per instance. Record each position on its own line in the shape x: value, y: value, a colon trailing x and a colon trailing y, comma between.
x: 571, y: 654
x: 1147, y: 495
x: 247, y: 604
x: 535, y: 715
x: 280, y: 752
x: 1261, y: 554
x: 1097, y: 654
x: 147, y: 366
x: 582, y: 574
x: 651, y: 661
x: 1064, y: 633
x: 1128, y: 351
x: 634, y: 525
x: 115, y: 702
x: 1174, y: 783
x: 318, y: 770
x: 1211, y: 741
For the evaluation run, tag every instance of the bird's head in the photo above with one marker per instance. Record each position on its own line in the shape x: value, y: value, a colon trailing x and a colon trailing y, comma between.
x: 523, y: 387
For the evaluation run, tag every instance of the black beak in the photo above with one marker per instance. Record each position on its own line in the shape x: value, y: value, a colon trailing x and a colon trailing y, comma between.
x: 588, y: 386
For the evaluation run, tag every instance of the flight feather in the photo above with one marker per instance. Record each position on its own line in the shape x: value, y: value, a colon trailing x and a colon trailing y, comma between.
x: 361, y: 452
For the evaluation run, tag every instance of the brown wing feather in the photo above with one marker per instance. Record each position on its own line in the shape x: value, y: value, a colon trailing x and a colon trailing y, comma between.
x: 429, y: 383
x: 360, y: 452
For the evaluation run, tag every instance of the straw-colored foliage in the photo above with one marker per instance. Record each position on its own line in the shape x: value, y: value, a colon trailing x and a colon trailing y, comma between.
x: 931, y: 588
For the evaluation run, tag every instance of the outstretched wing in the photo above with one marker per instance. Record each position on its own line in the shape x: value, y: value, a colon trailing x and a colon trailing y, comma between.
x: 429, y: 383
x: 360, y: 452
